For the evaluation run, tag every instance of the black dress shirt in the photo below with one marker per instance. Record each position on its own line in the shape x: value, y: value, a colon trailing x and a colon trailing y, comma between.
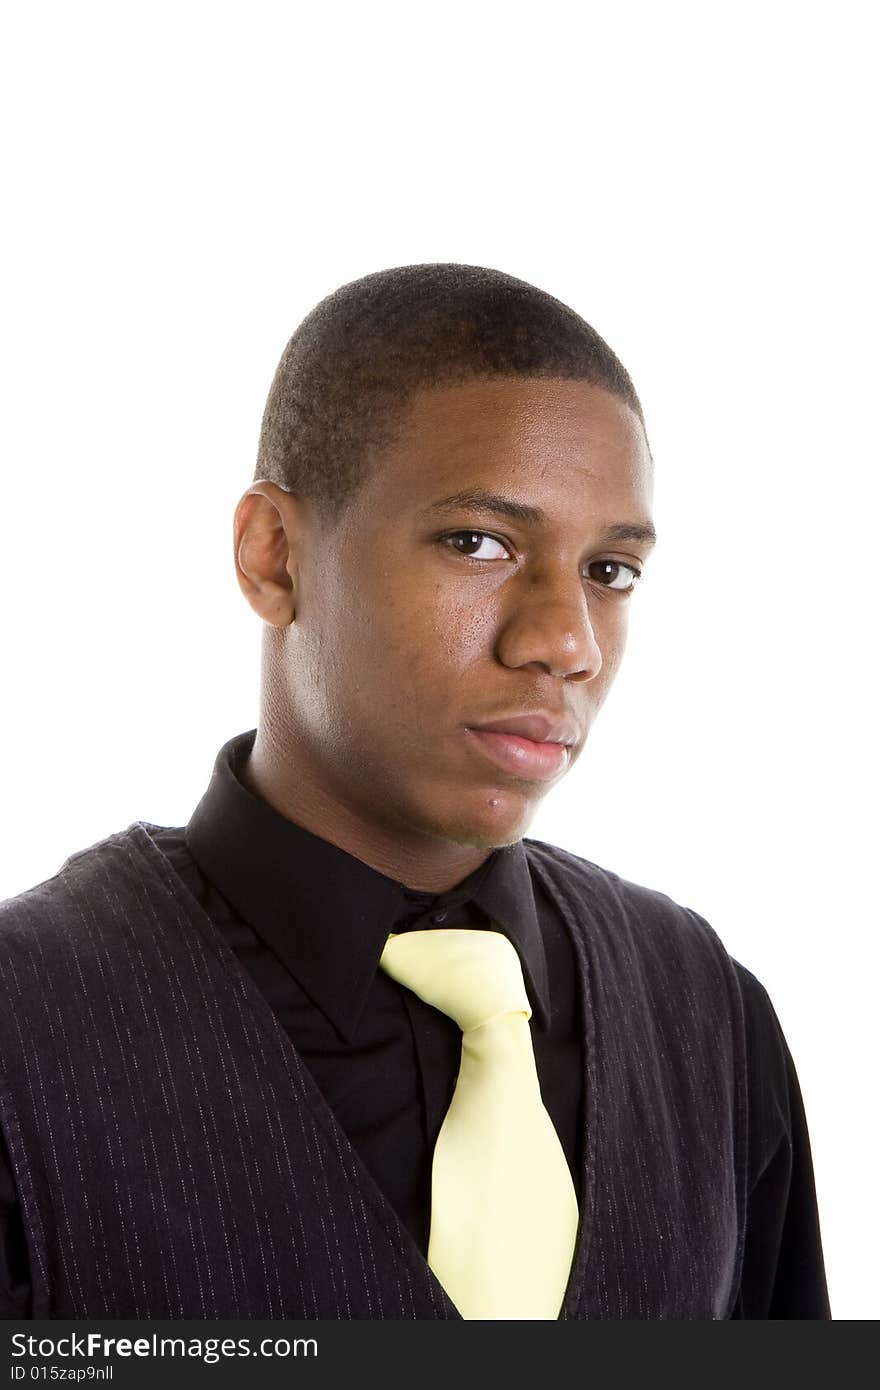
x: 309, y: 922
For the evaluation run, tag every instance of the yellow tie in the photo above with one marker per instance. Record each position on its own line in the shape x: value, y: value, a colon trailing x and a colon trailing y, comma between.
x: 504, y: 1213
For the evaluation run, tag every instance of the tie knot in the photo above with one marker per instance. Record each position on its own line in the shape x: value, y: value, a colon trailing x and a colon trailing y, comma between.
x: 470, y: 975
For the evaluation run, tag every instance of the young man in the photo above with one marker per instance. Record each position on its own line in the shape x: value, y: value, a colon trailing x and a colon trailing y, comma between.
x: 348, y: 1045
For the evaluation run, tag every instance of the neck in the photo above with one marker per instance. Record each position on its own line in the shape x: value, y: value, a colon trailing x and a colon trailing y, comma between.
x: 293, y: 787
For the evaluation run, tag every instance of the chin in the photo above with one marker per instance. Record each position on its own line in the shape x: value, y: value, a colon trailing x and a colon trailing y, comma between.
x: 496, y: 819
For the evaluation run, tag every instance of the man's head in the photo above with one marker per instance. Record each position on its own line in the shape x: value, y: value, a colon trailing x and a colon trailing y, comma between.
x: 398, y: 620
x: 351, y: 370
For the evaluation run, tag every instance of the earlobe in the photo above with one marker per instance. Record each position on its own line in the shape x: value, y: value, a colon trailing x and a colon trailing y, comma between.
x: 262, y: 555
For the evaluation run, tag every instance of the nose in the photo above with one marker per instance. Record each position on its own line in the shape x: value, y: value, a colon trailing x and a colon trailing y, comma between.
x: 552, y: 627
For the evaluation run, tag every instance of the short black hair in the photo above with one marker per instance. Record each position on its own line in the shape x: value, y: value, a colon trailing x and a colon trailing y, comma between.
x: 357, y: 359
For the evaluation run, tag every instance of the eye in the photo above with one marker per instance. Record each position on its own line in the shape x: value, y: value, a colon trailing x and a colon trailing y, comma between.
x: 611, y: 574
x: 614, y: 574
x: 474, y: 538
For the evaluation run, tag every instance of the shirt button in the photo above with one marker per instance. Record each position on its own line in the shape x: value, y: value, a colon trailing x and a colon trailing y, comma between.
x: 439, y: 916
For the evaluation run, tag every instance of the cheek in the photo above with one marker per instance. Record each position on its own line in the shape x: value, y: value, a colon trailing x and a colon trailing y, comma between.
x: 423, y: 661
x: 389, y: 651
x: 430, y: 628
x: 612, y: 644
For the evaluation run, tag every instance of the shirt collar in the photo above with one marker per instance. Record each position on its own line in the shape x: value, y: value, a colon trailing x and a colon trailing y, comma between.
x: 327, y: 914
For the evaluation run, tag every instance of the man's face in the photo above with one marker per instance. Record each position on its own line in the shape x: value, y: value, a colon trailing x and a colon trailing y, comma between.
x: 410, y: 629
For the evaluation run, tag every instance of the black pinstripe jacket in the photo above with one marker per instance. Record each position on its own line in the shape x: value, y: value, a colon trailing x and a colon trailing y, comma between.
x: 175, y: 1159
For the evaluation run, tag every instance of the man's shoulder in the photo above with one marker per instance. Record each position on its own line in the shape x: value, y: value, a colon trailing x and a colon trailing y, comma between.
x: 652, y: 914
x: 81, y: 874
x: 763, y: 1030
x: 604, y: 890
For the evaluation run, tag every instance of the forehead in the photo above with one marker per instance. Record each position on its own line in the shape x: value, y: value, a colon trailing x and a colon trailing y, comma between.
x: 544, y: 434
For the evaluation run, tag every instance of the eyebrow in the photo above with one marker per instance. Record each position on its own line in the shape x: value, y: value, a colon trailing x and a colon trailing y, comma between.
x: 477, y: 499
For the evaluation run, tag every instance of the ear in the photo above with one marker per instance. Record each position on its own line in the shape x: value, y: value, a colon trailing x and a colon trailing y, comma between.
x: 266, y: 536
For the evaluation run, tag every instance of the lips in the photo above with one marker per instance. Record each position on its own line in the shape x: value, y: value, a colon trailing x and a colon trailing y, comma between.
x: 523, y: 757
x: 541, y: 727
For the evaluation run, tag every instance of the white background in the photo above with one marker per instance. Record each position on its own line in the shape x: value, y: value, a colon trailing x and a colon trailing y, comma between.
x: 184, y: 181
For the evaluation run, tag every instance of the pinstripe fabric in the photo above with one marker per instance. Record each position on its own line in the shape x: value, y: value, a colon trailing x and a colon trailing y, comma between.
x: 175, y: 1159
